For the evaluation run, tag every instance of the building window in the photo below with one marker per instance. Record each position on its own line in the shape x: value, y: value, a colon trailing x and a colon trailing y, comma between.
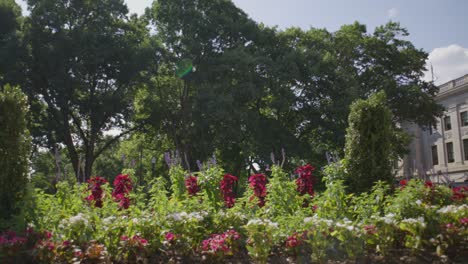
x: 435, y: 157
x: 450, y: 157
x: 447, y: 123
x: 465, y: 148
x: 464, y: 118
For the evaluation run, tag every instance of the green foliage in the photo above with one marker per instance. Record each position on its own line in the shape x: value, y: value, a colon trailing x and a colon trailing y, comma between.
x: 14, y: 149
x: 87, y: 59
x: 370, y: 143
x: 209, y: 180
x: 282, y: 199
x: 177, y: 176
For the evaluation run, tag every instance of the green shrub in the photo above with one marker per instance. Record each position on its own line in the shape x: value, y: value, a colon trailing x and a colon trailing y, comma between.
x: 14, y: 149
x: 372, y: 143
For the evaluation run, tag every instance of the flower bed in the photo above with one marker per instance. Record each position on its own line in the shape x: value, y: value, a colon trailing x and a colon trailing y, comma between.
x: 279, y: 218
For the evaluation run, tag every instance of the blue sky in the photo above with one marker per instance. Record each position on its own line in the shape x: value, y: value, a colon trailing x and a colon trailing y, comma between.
x: 437, y: 26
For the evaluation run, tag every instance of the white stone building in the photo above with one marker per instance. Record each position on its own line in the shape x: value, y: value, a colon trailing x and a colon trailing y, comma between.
x: 442, y: 151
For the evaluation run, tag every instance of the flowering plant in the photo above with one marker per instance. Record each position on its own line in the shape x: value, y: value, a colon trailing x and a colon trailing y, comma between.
x: 11, y: 244
x: 227, y: 189
x: 132, y: 249
x: 95, y: 186
x: 257, y: 183
x: 305, y: 182
x: 191, y: 184
x: 122, y: 188
x: 220, y: 245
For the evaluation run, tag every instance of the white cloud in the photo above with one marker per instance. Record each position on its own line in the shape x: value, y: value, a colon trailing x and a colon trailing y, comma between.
x: 448, y: 63
x: 134, y: 6
x: 393, y: 13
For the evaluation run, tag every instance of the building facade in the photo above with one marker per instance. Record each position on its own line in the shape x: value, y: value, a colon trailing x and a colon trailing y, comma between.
x: 440, y: 153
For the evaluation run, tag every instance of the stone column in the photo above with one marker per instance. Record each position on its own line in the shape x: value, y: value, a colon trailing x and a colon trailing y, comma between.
x: 457, y: 147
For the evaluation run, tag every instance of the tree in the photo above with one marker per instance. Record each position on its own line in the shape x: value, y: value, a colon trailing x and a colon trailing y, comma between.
x: 14, y: 149
x: 336, y: 68
x: 372, y: 141
x: 231, y: 103
x: 13, y: 53
x: 88, y: 58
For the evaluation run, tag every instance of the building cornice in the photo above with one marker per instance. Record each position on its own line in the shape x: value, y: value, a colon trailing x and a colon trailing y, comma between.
x: 453, y: 87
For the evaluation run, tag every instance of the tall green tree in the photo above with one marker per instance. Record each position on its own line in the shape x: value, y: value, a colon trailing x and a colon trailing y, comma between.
x: 336, y: 68
x: 88, y: 59
x: 13, y: 52
x: 231, y: 101
x: 14, y: 149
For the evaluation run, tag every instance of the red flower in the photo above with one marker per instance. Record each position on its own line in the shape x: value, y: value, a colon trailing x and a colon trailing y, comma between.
x: 370, y: 229
x: 305, y: 182
x: 429, y: 184
x: 403, y: 182
x: 293, y: 241
x: 122, y: 187
x: 191, y: 184
x: 459, y: 193
x: 94, y: 185
x: 258, y: 182
x: 227, y: 189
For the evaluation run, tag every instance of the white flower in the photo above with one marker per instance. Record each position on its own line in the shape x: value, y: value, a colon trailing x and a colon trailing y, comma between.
x: 135, y: 220
x: 452, y: 209
x: 418, y: 202
x: 308, y: 219
x: 389, y: 218
x: 79, y: 219
x: 418, y: 221
x: 108, y: 220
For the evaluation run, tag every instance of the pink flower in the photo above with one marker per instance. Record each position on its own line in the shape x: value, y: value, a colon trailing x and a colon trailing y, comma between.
x: 220, y: 243
x: 169, y: 236
x: 124, y: 238
x: 464, y: 221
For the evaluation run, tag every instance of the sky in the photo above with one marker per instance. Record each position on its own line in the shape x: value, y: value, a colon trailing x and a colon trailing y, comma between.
x: 436, y: 26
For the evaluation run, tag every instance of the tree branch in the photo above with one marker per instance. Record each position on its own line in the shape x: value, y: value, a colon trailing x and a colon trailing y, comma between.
x: 77, y: 123
x: 112, y: 141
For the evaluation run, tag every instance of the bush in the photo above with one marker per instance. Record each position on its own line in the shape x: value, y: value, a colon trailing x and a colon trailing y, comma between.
x: 372, y: 143
x: 14, y: 149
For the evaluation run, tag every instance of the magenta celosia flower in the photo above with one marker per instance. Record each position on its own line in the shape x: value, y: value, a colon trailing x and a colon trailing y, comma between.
x: 258, y: 182
x: 227, y: 189
x: 122, y: 188
x: 192, y: 185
